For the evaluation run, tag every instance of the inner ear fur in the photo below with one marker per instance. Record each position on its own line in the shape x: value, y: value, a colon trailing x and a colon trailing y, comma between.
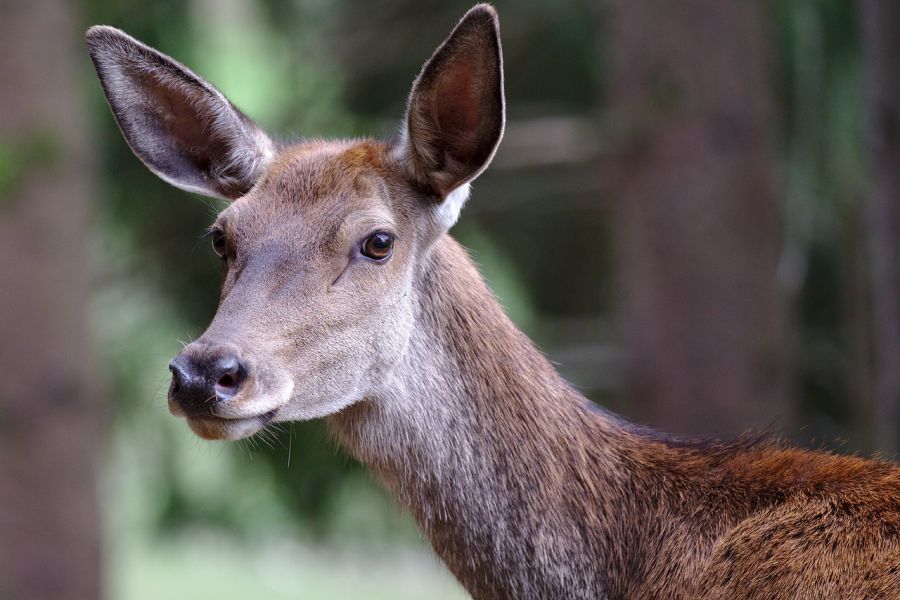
x: 180, y: 126
x: 456, y: 110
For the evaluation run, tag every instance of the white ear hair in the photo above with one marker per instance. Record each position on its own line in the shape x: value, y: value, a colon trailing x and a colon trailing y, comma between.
x: 447, y: 213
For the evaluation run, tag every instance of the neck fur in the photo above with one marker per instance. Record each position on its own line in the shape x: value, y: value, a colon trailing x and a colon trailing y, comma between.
x: 487, y: 445
x: 525, y: 491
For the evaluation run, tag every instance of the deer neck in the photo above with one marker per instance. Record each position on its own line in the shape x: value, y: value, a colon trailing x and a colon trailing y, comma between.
x: 488, y: 446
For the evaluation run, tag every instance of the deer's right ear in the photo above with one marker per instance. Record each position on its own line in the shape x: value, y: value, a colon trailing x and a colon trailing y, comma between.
x: 455, y: 116
x: 179, y: 125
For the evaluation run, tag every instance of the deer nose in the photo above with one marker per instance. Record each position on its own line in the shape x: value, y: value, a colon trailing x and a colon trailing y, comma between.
x: 199, y: 383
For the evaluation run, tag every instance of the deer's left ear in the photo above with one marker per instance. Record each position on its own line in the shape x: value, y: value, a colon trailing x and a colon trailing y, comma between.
x: 455, y: 116
x: 179, y: 125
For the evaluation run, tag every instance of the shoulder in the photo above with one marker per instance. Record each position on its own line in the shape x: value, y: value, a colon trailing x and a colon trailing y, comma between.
x: 841, y: 545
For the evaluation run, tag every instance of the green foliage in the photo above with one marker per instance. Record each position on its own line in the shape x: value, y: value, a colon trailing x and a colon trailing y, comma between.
x: 822, y: 107
x: 38, y: 150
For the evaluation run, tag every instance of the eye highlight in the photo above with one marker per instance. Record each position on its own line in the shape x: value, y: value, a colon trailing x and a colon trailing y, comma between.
x: 219, y: 243
x: 378, y: 246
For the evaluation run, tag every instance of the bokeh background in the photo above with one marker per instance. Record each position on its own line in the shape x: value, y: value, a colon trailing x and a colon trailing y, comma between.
x: 694, y: 213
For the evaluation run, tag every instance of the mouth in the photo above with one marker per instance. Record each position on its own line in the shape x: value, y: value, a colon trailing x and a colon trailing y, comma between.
x: 211, y: 427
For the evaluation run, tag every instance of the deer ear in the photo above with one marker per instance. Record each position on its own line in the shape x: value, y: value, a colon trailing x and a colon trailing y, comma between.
x: 455, y: 116
x: 179, y: 125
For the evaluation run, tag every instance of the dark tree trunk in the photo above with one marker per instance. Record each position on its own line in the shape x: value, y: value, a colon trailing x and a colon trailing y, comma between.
x: 49, y: 411
x: 699, y: 229
x: 880, y: 21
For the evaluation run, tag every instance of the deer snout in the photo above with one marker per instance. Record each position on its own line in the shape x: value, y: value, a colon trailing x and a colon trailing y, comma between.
x: 200, y: 383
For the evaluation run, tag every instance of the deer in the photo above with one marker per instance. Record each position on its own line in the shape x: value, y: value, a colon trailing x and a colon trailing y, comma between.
x: 345, y: 298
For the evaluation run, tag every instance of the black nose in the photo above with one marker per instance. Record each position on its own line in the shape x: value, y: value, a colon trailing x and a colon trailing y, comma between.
x: 199, y: 383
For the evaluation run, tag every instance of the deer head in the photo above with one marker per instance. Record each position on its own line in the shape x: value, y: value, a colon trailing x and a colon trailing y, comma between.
x: 323, y: 241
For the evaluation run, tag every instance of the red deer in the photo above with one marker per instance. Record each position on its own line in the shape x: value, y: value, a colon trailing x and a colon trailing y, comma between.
x: 345, y: 298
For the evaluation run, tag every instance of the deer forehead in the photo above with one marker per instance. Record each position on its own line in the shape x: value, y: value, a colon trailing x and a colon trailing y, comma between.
x: 329, y: 187
x: 315, y: 171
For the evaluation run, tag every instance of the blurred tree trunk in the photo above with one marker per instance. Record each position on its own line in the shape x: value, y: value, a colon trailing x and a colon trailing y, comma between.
x: 699, y: 230
x: 880, y: 20
x: 49, y: 412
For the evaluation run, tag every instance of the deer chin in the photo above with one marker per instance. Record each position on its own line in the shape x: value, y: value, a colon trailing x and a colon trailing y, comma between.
x: 217, y: 428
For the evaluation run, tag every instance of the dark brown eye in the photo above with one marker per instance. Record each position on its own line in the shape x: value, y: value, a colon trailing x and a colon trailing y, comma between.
x: 219, y: 243
x: 378, y: 246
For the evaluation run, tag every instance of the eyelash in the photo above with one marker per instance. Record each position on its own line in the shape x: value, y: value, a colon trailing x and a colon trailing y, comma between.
x: 215, y: 235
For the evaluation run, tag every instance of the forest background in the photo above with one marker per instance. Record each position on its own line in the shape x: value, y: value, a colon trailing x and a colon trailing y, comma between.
x: 694, y: 213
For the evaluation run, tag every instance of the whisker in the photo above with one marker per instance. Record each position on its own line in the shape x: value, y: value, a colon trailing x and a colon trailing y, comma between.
x: 242, y: 447
x: 290, y: 446
x: 265, y: 440
x: 265, y: 435
x: 157, y: 395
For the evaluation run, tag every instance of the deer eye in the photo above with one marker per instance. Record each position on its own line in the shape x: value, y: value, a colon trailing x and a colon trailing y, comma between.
x: 378, y: 246
x: 220, y: 243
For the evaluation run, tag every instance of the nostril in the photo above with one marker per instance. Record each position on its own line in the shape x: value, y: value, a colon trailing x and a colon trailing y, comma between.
x: 179, y: 375
x: 231, y: 374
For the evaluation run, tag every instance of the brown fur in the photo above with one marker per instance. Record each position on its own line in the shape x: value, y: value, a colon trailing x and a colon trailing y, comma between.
x: 522, y: 487
x: 584, y: 505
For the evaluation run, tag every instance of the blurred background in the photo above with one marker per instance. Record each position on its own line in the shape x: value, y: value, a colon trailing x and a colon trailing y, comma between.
x: 694, y: 213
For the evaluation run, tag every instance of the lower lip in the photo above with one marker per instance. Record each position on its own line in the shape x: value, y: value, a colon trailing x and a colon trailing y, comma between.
x: 218, y: 428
